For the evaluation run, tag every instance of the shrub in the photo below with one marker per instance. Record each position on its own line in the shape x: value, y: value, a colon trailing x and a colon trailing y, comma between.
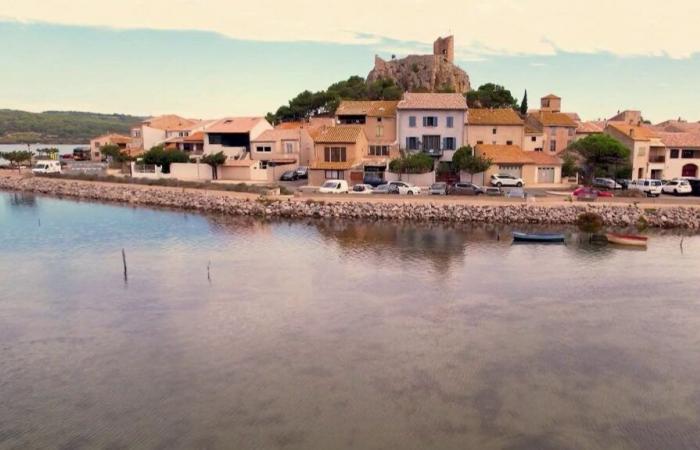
x: 415, y: 163
x: 589, y: 222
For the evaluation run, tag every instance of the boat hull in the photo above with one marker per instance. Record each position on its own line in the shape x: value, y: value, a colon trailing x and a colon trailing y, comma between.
x: 545, y: 238
x: 629, y: 240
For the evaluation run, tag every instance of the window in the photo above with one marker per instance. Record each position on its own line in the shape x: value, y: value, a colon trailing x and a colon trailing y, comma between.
x: 572, y: 131
x: 335, y: 154
x: 674, y: 153
x: 539, y: 149
x: 380, y: 131
x: 412, y: 143
x: 261, y: 149
x: 412, y: 121
x: 379, y: 119
x: 215, y: 139
x: 333, y: 174
x: 509, y: 142
x: 494, y: 131
x: 687, y: 154
x: 449, y: 143
x: 430, y: 121
x: 379, y: 150
x: 642, y: 151
x: 479, y: 142
x: 552, y: 146
x: 450, y: 122
x: 289, y: 147
x: 533, y: 139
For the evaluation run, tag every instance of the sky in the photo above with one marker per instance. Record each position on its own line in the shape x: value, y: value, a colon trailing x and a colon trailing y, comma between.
x: 213, y: 58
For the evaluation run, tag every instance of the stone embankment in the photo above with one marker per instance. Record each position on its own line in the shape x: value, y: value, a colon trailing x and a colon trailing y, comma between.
x: 221, y: 202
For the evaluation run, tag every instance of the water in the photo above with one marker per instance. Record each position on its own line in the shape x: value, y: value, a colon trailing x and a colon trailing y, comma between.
x: 321, y: 335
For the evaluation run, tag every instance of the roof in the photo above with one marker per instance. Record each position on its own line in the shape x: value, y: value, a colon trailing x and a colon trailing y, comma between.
x: 339, y: 134
x: 114, y: 138
x: 289, y: 125
x: 279, y: 135
x: 234, y: 125
x: 589, y: 128
x: 194, y: 137
x: 636, y: 133
x: 552, y: 97
x: 678, y: 126
x: 503, y: 116
x: 170, y: 122
x: 324, y: 165
x: 554, y: 119
x: 544, y: 159
x: 504, y: 154
x: 529, y: 129
x: 412, y: 100
x: 688, y: 139
x: 379, y: 108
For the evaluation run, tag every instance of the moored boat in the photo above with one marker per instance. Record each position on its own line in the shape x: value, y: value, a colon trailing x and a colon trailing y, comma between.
x: 538, y: 237
x: 627, y: 239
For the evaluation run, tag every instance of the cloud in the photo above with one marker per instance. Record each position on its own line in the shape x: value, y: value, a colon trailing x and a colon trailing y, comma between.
x: 503, y: 27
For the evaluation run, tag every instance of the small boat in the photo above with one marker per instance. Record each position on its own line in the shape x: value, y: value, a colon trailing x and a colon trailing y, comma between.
x: 627, y: 239
x: 538, y: 237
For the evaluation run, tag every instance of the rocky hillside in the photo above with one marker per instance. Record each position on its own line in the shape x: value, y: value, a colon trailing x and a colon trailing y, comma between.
x: 427, y: 73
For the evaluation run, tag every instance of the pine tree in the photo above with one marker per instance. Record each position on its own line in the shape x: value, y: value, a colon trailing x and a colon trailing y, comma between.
x: 523, y: 105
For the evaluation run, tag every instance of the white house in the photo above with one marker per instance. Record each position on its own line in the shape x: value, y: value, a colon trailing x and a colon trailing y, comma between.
x: 432, y: 123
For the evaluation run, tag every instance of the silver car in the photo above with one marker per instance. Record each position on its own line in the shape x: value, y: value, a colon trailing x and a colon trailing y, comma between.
x: 438, y: 188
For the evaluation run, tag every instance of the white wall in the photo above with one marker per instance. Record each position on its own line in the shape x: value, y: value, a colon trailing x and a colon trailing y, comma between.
x: 188, y: 171
x: 151, y: 137
x: 457, y: 131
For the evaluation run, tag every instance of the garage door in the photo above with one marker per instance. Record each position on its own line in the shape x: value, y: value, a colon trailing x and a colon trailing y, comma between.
x: 545, y: 174
x: 515, y: 171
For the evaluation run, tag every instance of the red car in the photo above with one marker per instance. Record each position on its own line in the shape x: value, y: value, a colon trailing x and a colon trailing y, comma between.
x: 590, y: 192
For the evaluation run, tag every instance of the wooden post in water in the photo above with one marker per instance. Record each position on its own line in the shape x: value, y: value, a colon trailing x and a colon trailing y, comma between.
x: 208, y: 271
x: 126, y: 277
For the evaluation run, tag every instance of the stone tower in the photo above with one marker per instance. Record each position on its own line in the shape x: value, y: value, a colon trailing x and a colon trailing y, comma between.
x: 445, y: 47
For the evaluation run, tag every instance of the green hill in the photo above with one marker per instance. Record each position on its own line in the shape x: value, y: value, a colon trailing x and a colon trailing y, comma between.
x: 60, y: 127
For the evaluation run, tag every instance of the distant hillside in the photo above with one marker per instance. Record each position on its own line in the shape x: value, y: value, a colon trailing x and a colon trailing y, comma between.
x: 60, y: 127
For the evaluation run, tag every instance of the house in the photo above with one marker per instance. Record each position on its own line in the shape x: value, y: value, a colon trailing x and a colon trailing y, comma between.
x: 647, y: 151
x: 495, y: 127
x: 192, y: 144
x: 682, y: 158
x: 533, y: 139
x: 585, y: 129
x: 338, y: 154
x: 558, y: 128
x: 96, y: 144
x: 233, y: 135
x: 288, y: 148
x: 432, y: 123
x: 533, y: 167
x: 156, y: 130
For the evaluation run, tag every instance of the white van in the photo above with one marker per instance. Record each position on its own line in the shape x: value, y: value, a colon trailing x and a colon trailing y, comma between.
x: 47, y: 166
x: 334, y: 187
x: 652, y: 188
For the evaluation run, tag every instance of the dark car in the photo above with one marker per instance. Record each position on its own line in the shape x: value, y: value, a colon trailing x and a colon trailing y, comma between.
x: 465, y: 189
x: 290, y: 175
x: 386, y: 189
x: 373, y: 180
x: 302, y: 173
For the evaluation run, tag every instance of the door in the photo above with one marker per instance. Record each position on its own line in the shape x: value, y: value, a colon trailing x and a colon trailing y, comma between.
x: 545, y: 174
x: 690, y: 171
x: 431, y: 143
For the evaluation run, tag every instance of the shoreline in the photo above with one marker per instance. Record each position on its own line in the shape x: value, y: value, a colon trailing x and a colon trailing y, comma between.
x: 412, y: 209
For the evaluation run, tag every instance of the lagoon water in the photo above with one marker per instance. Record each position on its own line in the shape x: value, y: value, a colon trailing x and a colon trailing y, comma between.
x: 335, y: 335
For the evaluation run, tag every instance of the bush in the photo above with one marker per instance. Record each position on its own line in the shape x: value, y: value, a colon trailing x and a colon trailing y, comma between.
x: 161, y: 157
x: 589, y: 222
x: 415, y: 163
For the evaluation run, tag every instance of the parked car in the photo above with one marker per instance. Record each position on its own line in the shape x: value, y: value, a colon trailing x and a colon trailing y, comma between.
x: 516, y: 193
x: 506, y: 180
x: 405, y: 188
x: 466, y: 189
x: 48, y: 166
x: 362, y: 189
x: 334, y: 187
x: 290, y: 175
x: 587, y: 192
x: 302, y: 172
x: 623, y: 182
x: 492, y: 191
x: 386, y: 189
x: 373, y: 180
x: 606, y: 183
x: 677, y: 187
x: 438, y: 188
x: 652, y: 188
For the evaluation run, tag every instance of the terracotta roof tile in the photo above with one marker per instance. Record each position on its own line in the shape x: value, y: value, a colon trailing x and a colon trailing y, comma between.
x: 234, y: 125
x: 689, y: 139
x: 412, y: 100
x: 367, y: 108
x: 553, y: 119
x: 114, y: 138
x: 636, y: 133
x: 503, y: 116
x: 544, y: 159
x: 280, y: 135
x: 170, y: 122
x: 339, y: 134
x: 552, y: 97
x: 589, y: 128
x: 504, y: 154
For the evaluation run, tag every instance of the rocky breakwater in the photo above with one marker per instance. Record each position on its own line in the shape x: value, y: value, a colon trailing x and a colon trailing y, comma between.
x: 221, y: 202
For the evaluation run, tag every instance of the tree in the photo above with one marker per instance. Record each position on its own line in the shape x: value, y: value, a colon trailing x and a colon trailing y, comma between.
x: 114, y: 152
x: 600, y: 153
x: 214, y: 160
x: 17, y: 157
x: 161, y: 157
x: 491, y: 95
x: 384, y: 89
x: 569, y: 166
x: 523, y: 105
x: 465, y: 160
x: 412, y: 163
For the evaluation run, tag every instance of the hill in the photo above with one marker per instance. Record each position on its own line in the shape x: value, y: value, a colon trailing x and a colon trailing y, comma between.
x: 60, y: 127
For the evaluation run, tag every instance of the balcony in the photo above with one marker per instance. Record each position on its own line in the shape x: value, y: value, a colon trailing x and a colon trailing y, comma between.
x: 657, y: 159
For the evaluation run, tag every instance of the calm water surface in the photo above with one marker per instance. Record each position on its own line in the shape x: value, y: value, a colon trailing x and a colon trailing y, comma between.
x: 334, y: 335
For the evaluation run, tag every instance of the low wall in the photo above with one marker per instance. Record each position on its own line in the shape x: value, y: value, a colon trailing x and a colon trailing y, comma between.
x: 423, y: 179
x: 223, y: 203
x: 191, y: 172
